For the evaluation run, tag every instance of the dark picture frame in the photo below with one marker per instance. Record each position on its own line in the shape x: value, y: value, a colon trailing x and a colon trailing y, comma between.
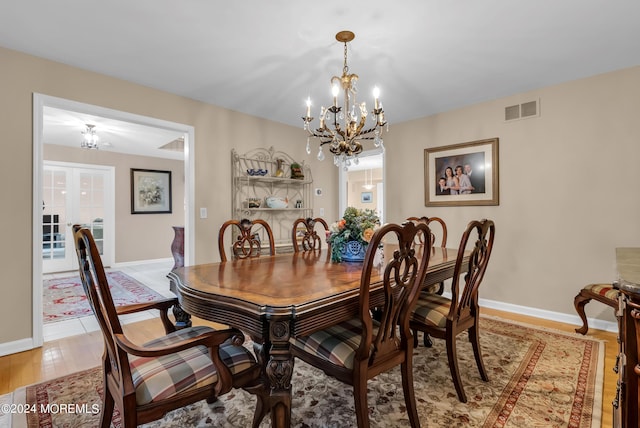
x: 366, y: 197
x: 150, y: 191
x: 478, y: 161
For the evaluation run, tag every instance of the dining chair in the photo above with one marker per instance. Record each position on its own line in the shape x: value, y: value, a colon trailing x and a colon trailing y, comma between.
x: 439, y: 287
x: 248, y: 242
x: 146, y: 381
x: 434, y: 235
x: 603, y: 293
x: 445, y: 318
x: 360, y: 348
x: 308, y: 236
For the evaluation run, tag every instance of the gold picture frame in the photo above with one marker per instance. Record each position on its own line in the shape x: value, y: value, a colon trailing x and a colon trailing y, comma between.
x: 478, y: 184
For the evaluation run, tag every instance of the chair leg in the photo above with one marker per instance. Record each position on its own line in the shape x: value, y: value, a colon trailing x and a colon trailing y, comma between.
x: 427, y: 340
x: 474, y: 338
x: 452, y: 356
x: 262, y: 402
x: 107, y: 409
x: 579, y: 302
x: 409, y: 395
x: 360, y: 398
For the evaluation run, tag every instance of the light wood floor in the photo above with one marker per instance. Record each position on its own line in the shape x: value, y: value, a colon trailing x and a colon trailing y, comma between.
x: 71, y: 354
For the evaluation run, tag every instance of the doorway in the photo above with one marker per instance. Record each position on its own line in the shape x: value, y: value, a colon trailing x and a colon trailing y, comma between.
x: 362, y: 185
x: 40, y: 104
x: 75, y: 194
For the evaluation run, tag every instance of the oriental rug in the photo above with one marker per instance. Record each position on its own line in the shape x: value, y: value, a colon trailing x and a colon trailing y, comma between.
x: 538, y: 378
x: 64, y: 298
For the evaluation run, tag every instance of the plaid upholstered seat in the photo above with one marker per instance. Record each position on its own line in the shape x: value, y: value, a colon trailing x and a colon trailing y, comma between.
x: 160, y: 378
x: 432, y: 309
x: 605, y: 290
x: 337, y: 344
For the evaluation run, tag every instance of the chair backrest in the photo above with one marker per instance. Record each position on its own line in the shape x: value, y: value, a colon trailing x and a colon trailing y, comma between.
x: 248, y: 242
x: 308, y: 237
x: 478, y: 238
x: 434, y: 235
x: 400, y: 275
x: 96, y: 287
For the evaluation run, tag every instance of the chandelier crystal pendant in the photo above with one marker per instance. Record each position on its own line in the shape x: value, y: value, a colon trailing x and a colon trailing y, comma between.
x: 344, y: 127
x: 91, y: 139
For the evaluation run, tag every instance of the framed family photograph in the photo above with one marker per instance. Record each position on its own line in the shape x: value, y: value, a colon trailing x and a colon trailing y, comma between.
x: 150, y: 191
x: 462, y: 174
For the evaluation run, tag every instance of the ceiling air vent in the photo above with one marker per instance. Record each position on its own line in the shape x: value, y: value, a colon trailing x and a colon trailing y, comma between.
x: 522, y: 111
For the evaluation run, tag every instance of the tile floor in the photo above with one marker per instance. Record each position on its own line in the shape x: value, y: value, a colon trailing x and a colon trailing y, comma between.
x: 151, y: 274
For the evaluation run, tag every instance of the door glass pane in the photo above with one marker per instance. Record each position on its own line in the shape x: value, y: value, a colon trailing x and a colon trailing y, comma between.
x: 91, y: 205
x: 54, y: 214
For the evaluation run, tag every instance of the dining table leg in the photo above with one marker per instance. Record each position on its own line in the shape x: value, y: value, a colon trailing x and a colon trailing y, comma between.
x: 279, y: 369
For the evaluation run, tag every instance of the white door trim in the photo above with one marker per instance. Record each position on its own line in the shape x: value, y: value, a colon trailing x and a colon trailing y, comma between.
x: 39, y: 102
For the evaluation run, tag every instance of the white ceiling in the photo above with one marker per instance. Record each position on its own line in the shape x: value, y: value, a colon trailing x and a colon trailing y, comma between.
x: 264, y: 58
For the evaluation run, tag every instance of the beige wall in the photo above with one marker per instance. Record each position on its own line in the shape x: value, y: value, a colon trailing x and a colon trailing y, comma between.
x: 568, y: 193
x: 567, y: 178
x: 138, y: 236
x: 217, y: 130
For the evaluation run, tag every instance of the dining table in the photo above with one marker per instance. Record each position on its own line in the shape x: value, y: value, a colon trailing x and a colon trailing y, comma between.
x: 275, y: 298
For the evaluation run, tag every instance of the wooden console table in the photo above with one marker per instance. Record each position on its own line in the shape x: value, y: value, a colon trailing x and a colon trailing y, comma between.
x: 625, y: 405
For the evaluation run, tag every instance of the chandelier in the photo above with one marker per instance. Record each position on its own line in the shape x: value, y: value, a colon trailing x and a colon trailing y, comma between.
x: 344, y: 127
x: 91, y: 139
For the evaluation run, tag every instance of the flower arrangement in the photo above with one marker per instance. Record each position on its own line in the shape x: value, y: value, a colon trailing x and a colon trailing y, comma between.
x: 355, y: 225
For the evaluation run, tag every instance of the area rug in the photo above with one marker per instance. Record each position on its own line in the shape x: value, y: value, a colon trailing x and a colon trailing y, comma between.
x: 64, y: 298
x: 538, y: 378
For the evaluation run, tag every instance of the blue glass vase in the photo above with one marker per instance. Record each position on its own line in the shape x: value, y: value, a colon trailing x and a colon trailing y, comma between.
x: 354, y: 251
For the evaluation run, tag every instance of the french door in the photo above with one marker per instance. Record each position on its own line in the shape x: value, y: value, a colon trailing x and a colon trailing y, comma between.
x: 75, y: 194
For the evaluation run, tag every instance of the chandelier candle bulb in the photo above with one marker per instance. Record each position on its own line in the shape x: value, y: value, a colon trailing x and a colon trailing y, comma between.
x: 335, y: 90
x: 376, y: 97
x: 309, y: 107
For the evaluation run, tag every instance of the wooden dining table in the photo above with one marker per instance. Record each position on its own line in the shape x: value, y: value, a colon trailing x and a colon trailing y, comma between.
x: 276, y: 298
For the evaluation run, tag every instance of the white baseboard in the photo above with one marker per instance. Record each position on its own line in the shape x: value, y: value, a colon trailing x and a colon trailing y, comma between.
x: 16, y: 346
x: 549, y: 315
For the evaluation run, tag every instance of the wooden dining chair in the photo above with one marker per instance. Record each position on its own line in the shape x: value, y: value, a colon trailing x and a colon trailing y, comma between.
x: 445, y: 318
x: 359, y: 349
x: 185, y: 366
x: 442, y: 234
x: 248, y: 242
x: 434, y: 234
x: 308, y: 236
x: 603, y: 293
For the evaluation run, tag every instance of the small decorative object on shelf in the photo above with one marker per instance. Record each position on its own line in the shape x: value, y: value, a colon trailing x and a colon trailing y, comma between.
x: 254, y: 202
x: 279, y: 170
x: 350, y: 235
x: 296, y: 171
x: 277, y: 202
x: 254, y: 172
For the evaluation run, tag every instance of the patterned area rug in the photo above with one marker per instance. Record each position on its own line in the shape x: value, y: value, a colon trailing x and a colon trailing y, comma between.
x: 538, y: 378
x: 64, y: 298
